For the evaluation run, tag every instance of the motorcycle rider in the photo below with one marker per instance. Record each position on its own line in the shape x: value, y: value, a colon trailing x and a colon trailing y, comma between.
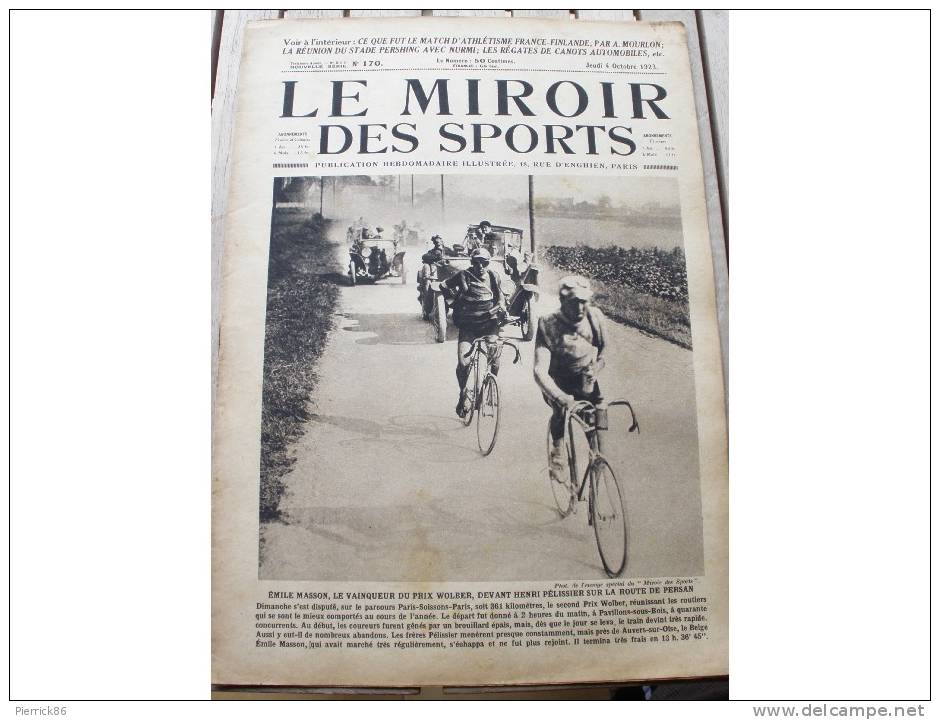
x: 479, y: 305
x: 569, y: 353
x: 489, y: 239
x: 481, y: 237
x: 432, y: 256
x: 436, y: 253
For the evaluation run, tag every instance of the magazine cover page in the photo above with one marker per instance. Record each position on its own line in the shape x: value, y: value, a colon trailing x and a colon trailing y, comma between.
x: 470, y: 423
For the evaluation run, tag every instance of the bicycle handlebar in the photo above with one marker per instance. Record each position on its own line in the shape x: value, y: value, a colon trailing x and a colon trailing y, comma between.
x: 571, y: 413
x: 635, y: 424
x: 514, y: 349
x: 478, y: 342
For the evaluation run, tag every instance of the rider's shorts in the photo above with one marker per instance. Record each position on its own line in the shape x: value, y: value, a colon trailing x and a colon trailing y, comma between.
x: 468, y: 332
x: 558, y: 414
x: 595, y: 397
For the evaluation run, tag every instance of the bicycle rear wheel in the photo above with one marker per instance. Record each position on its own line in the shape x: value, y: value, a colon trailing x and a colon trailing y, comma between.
x: 560, y: 481
x: 488, y: 415
x: 608, y: 517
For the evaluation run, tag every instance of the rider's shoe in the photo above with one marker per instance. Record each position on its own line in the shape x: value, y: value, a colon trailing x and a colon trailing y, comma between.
x: 462, y: 406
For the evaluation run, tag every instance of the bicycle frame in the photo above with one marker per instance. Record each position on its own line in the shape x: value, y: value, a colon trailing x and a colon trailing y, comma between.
x: 573, y: 415
x: 485, y: 352
x: 492, y: 350
x: 606, y: 508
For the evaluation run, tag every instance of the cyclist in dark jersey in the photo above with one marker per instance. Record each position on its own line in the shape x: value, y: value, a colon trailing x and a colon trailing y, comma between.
x: 479, y: 304
x: 569, y: 352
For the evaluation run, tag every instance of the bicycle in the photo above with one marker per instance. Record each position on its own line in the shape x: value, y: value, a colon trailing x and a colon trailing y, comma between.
x: 483, y: 395
x: 606, y: 510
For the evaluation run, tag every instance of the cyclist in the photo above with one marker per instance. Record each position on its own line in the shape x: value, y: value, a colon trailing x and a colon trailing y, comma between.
x: 569, y: 352
x: 479, y: 303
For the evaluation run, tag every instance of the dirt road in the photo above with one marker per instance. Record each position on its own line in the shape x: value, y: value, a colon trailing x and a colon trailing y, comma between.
x: 388, y: 485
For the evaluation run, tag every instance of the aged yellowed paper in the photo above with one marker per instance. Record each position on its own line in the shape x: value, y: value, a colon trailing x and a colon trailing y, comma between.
x: 470, y: 423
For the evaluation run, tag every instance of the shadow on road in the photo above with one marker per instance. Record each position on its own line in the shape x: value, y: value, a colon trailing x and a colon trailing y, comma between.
x: 425, y: 425
x: 335, y: 278
x: 429, y: 425
x: 392, y: 329
x: 421, y: 525
x: 423, y: 438
x: 341, y: 278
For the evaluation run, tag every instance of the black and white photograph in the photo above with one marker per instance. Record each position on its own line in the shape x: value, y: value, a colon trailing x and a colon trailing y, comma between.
x: 478, y: 378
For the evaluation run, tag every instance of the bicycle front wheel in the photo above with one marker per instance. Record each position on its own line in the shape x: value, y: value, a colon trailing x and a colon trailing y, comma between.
x: 608, y: 517
x: 470, y: 389
x: 488, y: 415
x: 559, y: 477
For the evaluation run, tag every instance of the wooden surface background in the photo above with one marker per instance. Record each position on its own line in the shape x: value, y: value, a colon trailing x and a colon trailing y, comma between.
x: 708, y: 53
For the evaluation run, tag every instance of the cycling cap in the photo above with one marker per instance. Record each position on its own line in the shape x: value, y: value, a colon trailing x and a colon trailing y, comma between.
x: 485, y: 222
x: 480, y: 253
x: 435, y: 237
x: 575, y: 286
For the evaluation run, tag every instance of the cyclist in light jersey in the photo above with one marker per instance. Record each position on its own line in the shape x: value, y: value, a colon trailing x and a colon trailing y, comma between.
x: 569, y: 353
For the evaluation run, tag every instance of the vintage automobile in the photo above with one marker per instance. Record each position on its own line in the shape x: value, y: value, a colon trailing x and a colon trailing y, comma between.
x: 508, y: 256
x: 409, y: 235
x: 371, y: 258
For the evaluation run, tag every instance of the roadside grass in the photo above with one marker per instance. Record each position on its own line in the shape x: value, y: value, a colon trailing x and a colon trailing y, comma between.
x: 645, y: 289
x: 668, y: 319
x: 302, y: 294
